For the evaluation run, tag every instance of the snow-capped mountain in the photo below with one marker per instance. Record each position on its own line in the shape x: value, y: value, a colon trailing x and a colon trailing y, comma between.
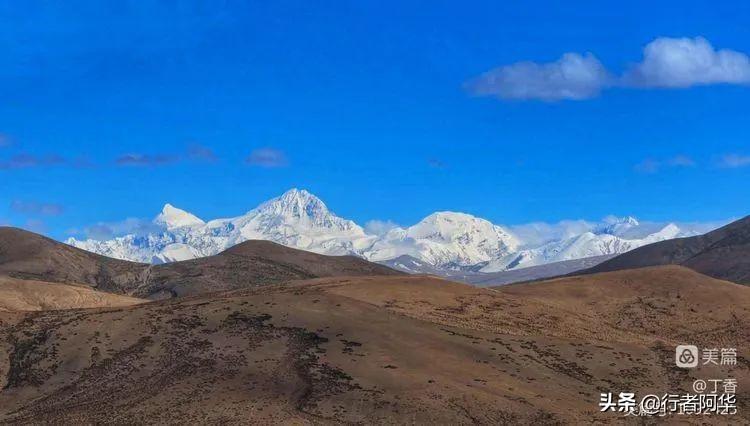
x: 296, y: 219
x: 603, y: 241
x: 617, y: 226
x: 173, y: 218
x: 446, y: 240
x: 443, y: 240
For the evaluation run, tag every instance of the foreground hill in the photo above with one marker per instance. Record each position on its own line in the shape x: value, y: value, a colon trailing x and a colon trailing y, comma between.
x: 252, y: 263
x: 25, y: 255
x: 723, y: 253
x: 389, y: 349
x: 27, y: 295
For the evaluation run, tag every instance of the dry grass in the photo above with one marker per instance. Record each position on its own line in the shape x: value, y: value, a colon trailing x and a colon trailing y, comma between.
x: 372, y: 350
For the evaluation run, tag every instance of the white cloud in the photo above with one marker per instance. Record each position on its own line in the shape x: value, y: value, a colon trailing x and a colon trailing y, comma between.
x: 681, y: 161
x: 573, y: 76
x: 35, y: 225
x: 34, y: 208
x: 107, y: 230
x: 733, y: 161
x: 267, y: 157
x: 379, y: 227
x: 667, y: 62
x: 648, y: 166
x: 538, y: 233
x: 651, y: 165
x: 685, y: 62
x: 201, y: 153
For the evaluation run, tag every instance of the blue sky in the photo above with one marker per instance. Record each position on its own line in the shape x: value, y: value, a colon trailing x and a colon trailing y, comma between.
x: 386, y: 110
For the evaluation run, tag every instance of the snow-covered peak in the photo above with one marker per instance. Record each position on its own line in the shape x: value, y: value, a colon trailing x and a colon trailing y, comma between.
x: 668, y: 232
x: 171, y: 217
x: 586, y: 244
x: 446, y: 239
x: 297, y: 219
x: 453, y: 226
x: 627, y: 220
x: 614, y: 225
x: 299, y: 205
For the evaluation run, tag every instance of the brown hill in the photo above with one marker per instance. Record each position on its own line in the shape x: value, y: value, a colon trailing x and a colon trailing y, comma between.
x: 26, y: 255
x: 26, y: 295
x: 723, y: 253
x: 249, y: 264
x: 29, y: 256
x: 389, y: 349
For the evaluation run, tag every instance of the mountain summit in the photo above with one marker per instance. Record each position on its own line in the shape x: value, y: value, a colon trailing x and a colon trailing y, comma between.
x: 618, y: 225
x: 305, y: 209
x: 295, y: 202
x: 447, y: 239
x: 171, y: 217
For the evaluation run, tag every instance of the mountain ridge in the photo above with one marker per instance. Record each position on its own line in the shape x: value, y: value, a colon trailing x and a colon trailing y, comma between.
x: 723, y: 253
x: 446, y: 240
x: 25, y: 255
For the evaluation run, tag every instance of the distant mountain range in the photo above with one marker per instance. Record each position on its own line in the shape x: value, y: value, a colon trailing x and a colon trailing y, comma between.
x: 411, y: 265
x: 723, y: 253
x: 30, y: 257
x: 444, y: 241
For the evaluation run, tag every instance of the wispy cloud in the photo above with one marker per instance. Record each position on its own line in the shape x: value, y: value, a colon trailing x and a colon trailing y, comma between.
x: 666, y: 63
x: 4, y: 140
x: 82, y: 163
x: 648, y: 166
x: 24, y: 161
x: 35, y: 225
x: 651, y: 165
x: 573, y: 76
x: 685, y: 62
x: 194, y: 152
x: 681, y: 161
x: 34, y: 208
x: 267, y: 157
x: 141, y: 160
x: 379, y: 227
x: 201, y: 153
x: 436, y: 164
x: 733, y: 161
x: 537, y: 233
x: 108, y: 230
